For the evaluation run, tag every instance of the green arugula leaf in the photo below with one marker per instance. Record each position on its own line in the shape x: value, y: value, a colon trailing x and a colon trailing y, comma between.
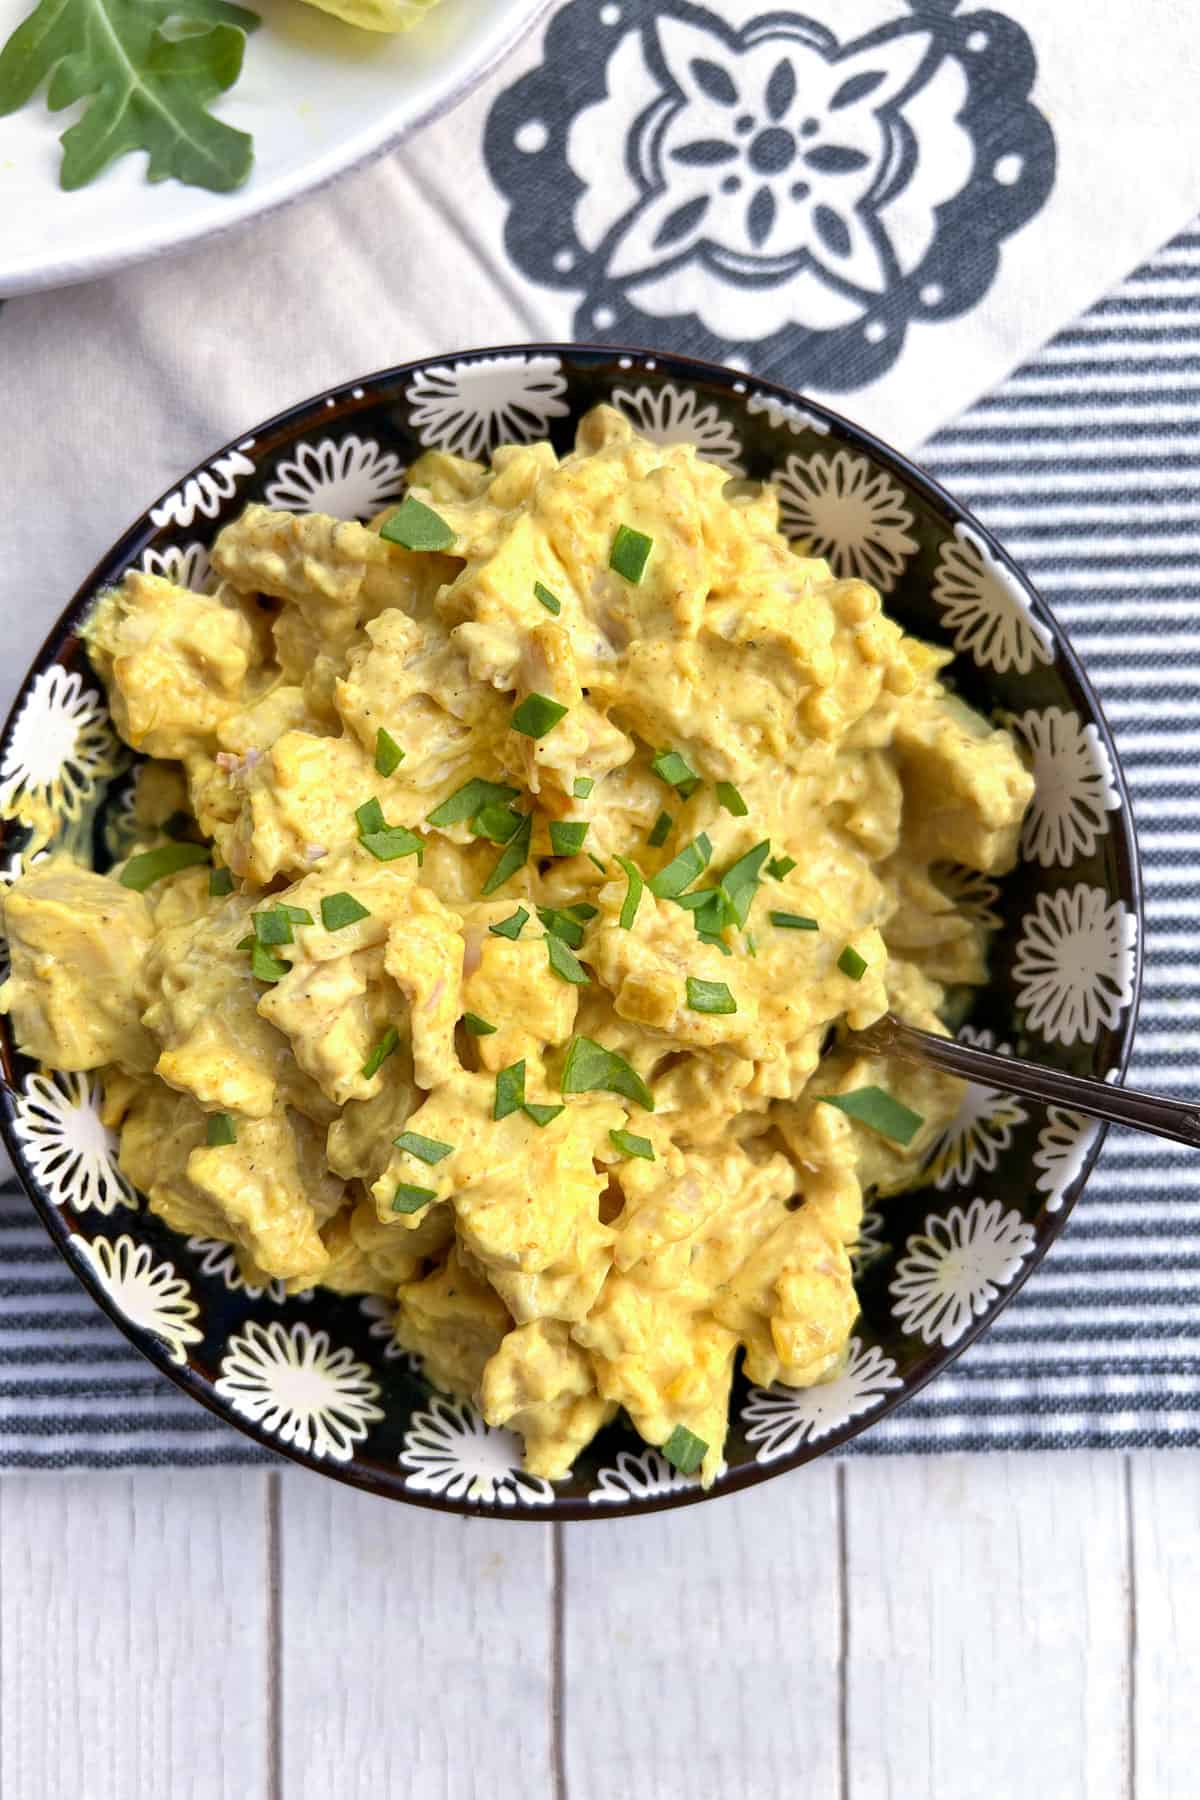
x: 146, y: 91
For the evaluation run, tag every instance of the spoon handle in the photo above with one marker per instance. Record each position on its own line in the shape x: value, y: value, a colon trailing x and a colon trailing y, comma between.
x: 1178, y: 1120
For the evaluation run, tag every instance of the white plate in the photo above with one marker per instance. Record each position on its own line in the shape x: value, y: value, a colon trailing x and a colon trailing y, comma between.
x: 317, y: 95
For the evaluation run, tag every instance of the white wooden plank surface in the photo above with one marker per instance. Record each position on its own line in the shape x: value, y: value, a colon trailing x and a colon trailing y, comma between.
x: 1165, y: 1511
x: 133, y: 1636
x: 989, y: 1626
x: 943, y: 1627
x: 701, y: 1649
x: 416, y: 1650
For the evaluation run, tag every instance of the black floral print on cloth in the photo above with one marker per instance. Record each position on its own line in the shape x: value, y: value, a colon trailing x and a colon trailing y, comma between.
x: 789, y: 192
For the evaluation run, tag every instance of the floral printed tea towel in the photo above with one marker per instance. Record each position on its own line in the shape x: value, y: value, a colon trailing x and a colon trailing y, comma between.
x: 887, y: 203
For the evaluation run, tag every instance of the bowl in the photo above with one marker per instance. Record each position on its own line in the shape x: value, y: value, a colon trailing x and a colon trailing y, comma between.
x: 316, y: 1376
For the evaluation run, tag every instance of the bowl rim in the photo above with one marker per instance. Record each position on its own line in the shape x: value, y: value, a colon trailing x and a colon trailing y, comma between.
x: 361, y: 393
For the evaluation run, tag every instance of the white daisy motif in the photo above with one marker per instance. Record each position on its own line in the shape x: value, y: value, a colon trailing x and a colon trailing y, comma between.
x: 635, y: 1475
x: 1064, y: 1143
x: 985, y: 608
x: 470, y: 407
x: 870, y: 1244
x: 1075, y: 786
x: 951, y: 1273
x: 289, y: 1381
x: 203, y: 495
x: 780, y: 1419
x: 1074, y: 965
x: 349, y: 478
x: 218, y: 1260
x: 71, y: 1152
x: 671, y: 415
x: 843, y: 508
x: 186, y: 565
x: 147, y: 1293
x: 982, y: 1127
x: 786, y: 412
x: 451, y: 1452
x: 60, y: 747
x: 383, y: 1325
x: 970, y: 893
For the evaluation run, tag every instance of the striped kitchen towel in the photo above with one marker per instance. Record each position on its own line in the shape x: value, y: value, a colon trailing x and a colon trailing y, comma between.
x: 1087, y: 463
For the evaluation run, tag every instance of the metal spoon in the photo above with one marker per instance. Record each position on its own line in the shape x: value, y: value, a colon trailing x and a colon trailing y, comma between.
x: 1178, y: 1120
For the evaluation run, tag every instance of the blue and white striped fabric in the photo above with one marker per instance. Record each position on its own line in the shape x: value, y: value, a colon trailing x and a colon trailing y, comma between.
x: 1087, y: 464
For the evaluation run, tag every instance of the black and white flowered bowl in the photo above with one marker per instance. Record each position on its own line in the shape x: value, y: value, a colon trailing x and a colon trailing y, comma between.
x: 317, y: 1376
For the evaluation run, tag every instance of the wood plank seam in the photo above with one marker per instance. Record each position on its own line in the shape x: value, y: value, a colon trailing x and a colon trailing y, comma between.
x: 274, y: 1695
x: 843, y: 1624
x: 558, y: 1752
x: 1132, y: 1633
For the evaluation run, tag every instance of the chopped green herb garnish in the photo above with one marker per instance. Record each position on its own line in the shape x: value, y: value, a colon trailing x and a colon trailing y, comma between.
x: 632, y: 1145
x: 793, y: 922
x: 550, y: 601
x: 582, y: 909
x: 141, y: 872
x: 265, y: 966
x: 629, y: 552
x: 339, y: 910
x: 718, y: 943
x: 682, y: 870
x: 512, y: 926
x: 567, y: 835
x: 560, y: 924
x: 875, y: 1107
x: 417, y: 527
x: 381, y: 1052
x: 536, y: 715
x: 388, y: 754
x: 220, y: 881
x: 510, y: 1090
x: 700, y: 898
x: 496, y: 822
x: 852, y: 964
x: 564, y: 961
x: 540, y: 1114
x: 751, y: 946
x: 297, y: 914
x: 731, y: 800
x: 592, y: 858
x: 633, y: 893
x: 590, y: 1068
x: 219, y: 1129
x: 779, y: 866
x: 660, y: 830
x: 582, y: 786
x: 396, y: 841
x: 272, y: 926
x: 410, y: 1199
x: 425, y: 1149
x: 470, y: 799
x: 709, y: 996
x: 670, y: 767
x: 246, y: 943
x: 478, y: 1027
x: 739, y: 883
x: 370, y: 816
x: 386, y: 842
x: 684, y: 1450
x: 513, y: 857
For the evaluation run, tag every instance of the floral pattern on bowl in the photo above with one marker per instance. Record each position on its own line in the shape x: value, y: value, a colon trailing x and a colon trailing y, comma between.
x: 316, y: 1375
